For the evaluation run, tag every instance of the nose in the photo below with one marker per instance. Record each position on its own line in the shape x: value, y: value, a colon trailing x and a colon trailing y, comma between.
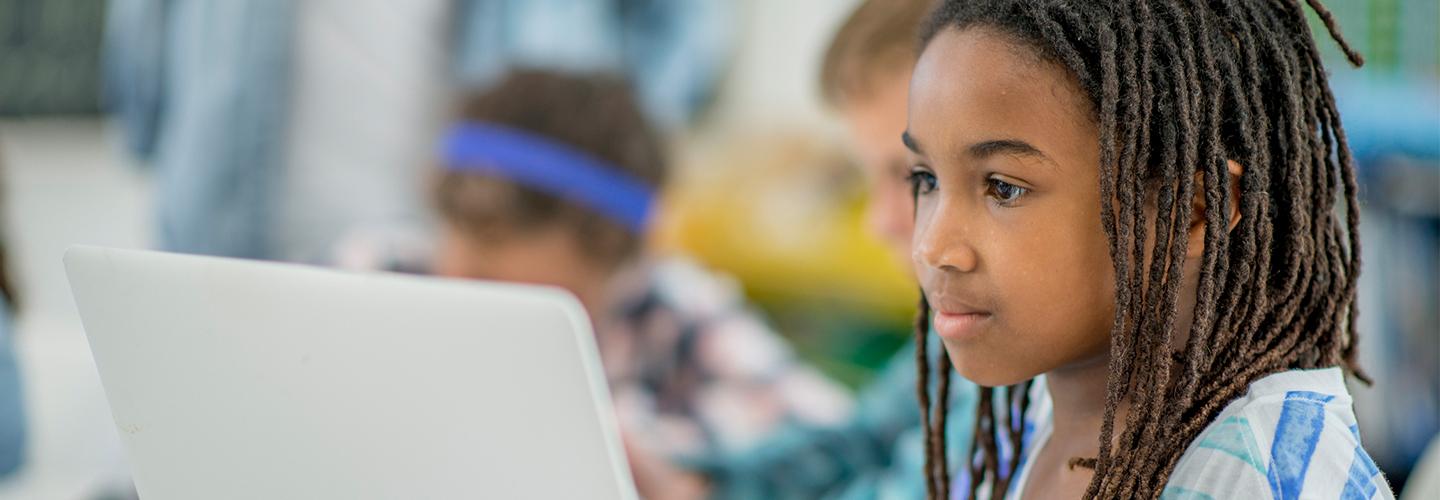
x: 943, y: 240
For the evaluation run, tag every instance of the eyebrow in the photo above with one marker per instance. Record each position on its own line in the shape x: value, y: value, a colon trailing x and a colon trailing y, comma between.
x: 1015, y: 147
x: 986, y: 149
x: 910, y: 143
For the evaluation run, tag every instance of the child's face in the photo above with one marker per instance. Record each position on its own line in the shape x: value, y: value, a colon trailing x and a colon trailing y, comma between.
x: 543, y: 257
x: 1008, y: 244
x: 874, y: 121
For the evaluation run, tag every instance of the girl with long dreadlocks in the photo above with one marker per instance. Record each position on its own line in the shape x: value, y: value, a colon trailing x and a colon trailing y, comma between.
x: 1138, y: 200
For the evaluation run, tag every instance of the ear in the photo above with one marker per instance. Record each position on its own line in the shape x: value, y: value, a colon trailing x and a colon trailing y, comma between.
x: 1195, y: 245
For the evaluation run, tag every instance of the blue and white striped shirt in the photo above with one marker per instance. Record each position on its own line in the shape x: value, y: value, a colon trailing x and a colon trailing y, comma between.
x: 1293, y: 435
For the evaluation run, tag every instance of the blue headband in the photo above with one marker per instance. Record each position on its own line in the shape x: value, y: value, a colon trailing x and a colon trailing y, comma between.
x: 544, y: 164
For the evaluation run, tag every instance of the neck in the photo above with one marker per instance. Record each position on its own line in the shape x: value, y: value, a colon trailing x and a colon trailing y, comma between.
x: 1078, y: 393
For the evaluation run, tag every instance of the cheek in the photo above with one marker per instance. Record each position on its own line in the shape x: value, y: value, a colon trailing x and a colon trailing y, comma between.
x: 551, y: 261
x: 513, y: 263
x: 533, y: 266
x: 456, y: 260
x: 1061, y: 288
x: 896, y: 208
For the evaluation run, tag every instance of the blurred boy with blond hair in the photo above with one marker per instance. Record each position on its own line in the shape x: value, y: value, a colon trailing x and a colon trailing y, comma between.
x: 865, y: 77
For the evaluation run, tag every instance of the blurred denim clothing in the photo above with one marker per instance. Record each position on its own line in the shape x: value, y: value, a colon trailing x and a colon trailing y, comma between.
x: 132, y: 58
x: 12, y: 408
x: 201, y: 88
x: 878, y: 453
x: 673, y: 52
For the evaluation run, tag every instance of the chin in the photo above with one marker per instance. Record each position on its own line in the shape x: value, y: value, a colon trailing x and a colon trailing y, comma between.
x: 985, y: 368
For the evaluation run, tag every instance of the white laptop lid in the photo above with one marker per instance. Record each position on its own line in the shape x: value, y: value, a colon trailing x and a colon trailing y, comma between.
x: 240, y: 379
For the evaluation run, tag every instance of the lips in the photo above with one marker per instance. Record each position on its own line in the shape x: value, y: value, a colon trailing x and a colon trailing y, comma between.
x: 956, y: 320
x: 959, y: 326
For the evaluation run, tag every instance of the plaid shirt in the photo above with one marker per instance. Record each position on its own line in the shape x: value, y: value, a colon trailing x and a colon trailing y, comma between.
x: 878, y: 452
x: 694, y: 372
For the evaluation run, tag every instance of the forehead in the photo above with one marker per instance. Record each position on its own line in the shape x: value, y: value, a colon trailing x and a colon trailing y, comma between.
x: 880, y: 116
x: 979, y: 84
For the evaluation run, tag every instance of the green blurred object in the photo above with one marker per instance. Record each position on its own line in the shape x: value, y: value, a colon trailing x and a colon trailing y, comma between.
x: 49, y: 60
x: 1395, y: 36
x: 850, y: 346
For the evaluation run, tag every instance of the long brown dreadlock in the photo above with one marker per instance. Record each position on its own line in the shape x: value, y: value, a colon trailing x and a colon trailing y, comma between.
x: 1204, y: 81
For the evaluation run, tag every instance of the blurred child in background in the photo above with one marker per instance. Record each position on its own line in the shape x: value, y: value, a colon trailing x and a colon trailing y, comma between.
x: 865, y: 76
x: 552, y: 179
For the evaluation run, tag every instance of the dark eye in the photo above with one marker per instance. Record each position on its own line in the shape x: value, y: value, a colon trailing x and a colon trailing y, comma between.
x: 1003, y: 192
x: 921, y: 182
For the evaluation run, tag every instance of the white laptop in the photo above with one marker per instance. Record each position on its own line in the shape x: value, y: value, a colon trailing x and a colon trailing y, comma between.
x: 241, y: 379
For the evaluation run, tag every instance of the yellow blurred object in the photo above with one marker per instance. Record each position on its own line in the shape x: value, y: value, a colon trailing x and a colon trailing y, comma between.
x: 784, y: 214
